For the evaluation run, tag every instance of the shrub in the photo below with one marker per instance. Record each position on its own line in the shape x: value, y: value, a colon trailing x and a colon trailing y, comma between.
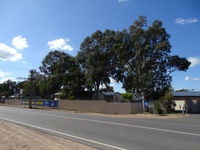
x: 157, y: 108
x: 167, y: 102
x: 127, y: 96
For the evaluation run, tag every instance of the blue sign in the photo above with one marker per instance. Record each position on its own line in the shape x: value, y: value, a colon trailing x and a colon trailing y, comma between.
x: 49, y: 103
x: 147, y: 103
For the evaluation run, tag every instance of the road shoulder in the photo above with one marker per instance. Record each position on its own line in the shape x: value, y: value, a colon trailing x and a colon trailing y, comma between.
x: 16, y: 137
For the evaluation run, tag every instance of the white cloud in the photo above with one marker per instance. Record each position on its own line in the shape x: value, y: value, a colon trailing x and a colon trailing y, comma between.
x: 4, y: 76
x: 113, y: 80
x: 113, y: 85
x: 6, y: 79
x: 122, y: 0
x: 102, y: 86
x: 24, y: 62
x: 60, y: 44
x: 19, y: 42
x: 191, y: 78
x: 185, y: 20
x: 194, y: 61
x: 8, y: 53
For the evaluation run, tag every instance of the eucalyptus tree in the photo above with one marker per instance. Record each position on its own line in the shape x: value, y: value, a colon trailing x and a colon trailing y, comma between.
x: 139, y: 57
x: 147, y: 72
x: 9, y: 88
x: 94, y: 59
x: 52, y: 68
x: 61, y: 71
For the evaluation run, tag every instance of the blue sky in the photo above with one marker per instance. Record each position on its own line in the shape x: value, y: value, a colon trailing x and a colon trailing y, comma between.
x: 29, y: 29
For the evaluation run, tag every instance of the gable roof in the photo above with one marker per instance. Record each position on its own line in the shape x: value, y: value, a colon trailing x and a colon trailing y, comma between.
x: 190, y: 93
x: 110, y: 93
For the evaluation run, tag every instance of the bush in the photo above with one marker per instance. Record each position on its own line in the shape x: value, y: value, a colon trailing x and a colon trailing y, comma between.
x: 157, y: 108
x: 127, y: 96
x: 72, y: 97
x: 167, y: 102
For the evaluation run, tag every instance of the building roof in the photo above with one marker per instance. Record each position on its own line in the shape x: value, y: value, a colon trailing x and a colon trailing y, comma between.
x: 110, y: 93
x: 189, y: 93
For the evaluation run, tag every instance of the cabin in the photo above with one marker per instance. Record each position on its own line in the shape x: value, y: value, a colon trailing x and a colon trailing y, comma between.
x: 188, y: 100
x: 109, y: 96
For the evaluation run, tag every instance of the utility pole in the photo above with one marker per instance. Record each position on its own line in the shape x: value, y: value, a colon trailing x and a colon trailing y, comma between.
x: 31, y: 78
x: 30, y: 89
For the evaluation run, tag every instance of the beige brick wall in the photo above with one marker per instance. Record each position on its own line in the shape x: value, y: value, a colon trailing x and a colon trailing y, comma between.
x: 13, y: 102
x: 92, y: 106
x: 100, y: 106
x: 136, y: 108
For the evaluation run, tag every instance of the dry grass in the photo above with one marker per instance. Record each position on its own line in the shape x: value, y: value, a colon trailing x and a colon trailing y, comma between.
x: 15, y: 137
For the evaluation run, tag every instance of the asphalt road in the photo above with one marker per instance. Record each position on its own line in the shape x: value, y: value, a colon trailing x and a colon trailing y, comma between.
x: 110, y: 132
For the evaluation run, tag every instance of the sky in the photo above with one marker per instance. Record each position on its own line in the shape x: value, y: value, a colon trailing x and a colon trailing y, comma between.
x: 29, y: 29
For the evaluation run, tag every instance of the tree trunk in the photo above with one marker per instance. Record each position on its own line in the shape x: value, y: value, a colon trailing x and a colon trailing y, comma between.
x: 96, y: 90
x: 53, y: 96
x: 143, y: 107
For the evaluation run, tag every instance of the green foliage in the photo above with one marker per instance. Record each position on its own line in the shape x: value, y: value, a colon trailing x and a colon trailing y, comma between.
x: 127, y: 96
x: 167, y: 102
x: 9, y: 88
x: 61, y: 70
x: 53, y: 67
x: 25, y: 85
x: 62, y: 96
x: 157, y: 108
x: 149, y: 65
x: 177, y: 63
x: 139, y: 57
x: 94, y: 58
x: 74, y: 86
x: 45, y: 87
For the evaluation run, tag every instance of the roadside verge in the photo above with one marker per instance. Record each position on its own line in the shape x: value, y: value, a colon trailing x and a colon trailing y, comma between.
x: 16, y: 137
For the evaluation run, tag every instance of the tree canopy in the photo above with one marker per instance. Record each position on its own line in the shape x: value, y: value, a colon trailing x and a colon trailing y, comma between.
x: 61, y: 71
x: 139, y: 57
x: 147, y: 70
x: 9, y: 88
x: 94, y: 59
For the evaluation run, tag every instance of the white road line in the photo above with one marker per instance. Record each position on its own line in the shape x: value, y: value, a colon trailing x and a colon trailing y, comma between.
x: 65, y: 134
x: 121, y: 124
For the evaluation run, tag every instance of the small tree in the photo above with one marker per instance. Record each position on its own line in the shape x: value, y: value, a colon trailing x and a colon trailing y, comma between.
x: 9, y: 88
x: 127, y: 96
x: 167, y: 102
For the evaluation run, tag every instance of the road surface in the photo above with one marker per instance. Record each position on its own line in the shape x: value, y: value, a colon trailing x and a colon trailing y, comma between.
x: 111, y: 133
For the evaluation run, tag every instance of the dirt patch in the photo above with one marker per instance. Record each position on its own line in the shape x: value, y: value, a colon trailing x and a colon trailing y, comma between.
x: 15, y: 137
x: 139, y: 115
x: 156, y: 116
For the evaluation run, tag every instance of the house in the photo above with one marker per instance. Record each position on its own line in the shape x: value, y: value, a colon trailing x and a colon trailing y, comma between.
x: 188, y: 100
x: 112, y: 96
x: 105, y: 96
x: 100, y: 96
x: 109, y: 96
